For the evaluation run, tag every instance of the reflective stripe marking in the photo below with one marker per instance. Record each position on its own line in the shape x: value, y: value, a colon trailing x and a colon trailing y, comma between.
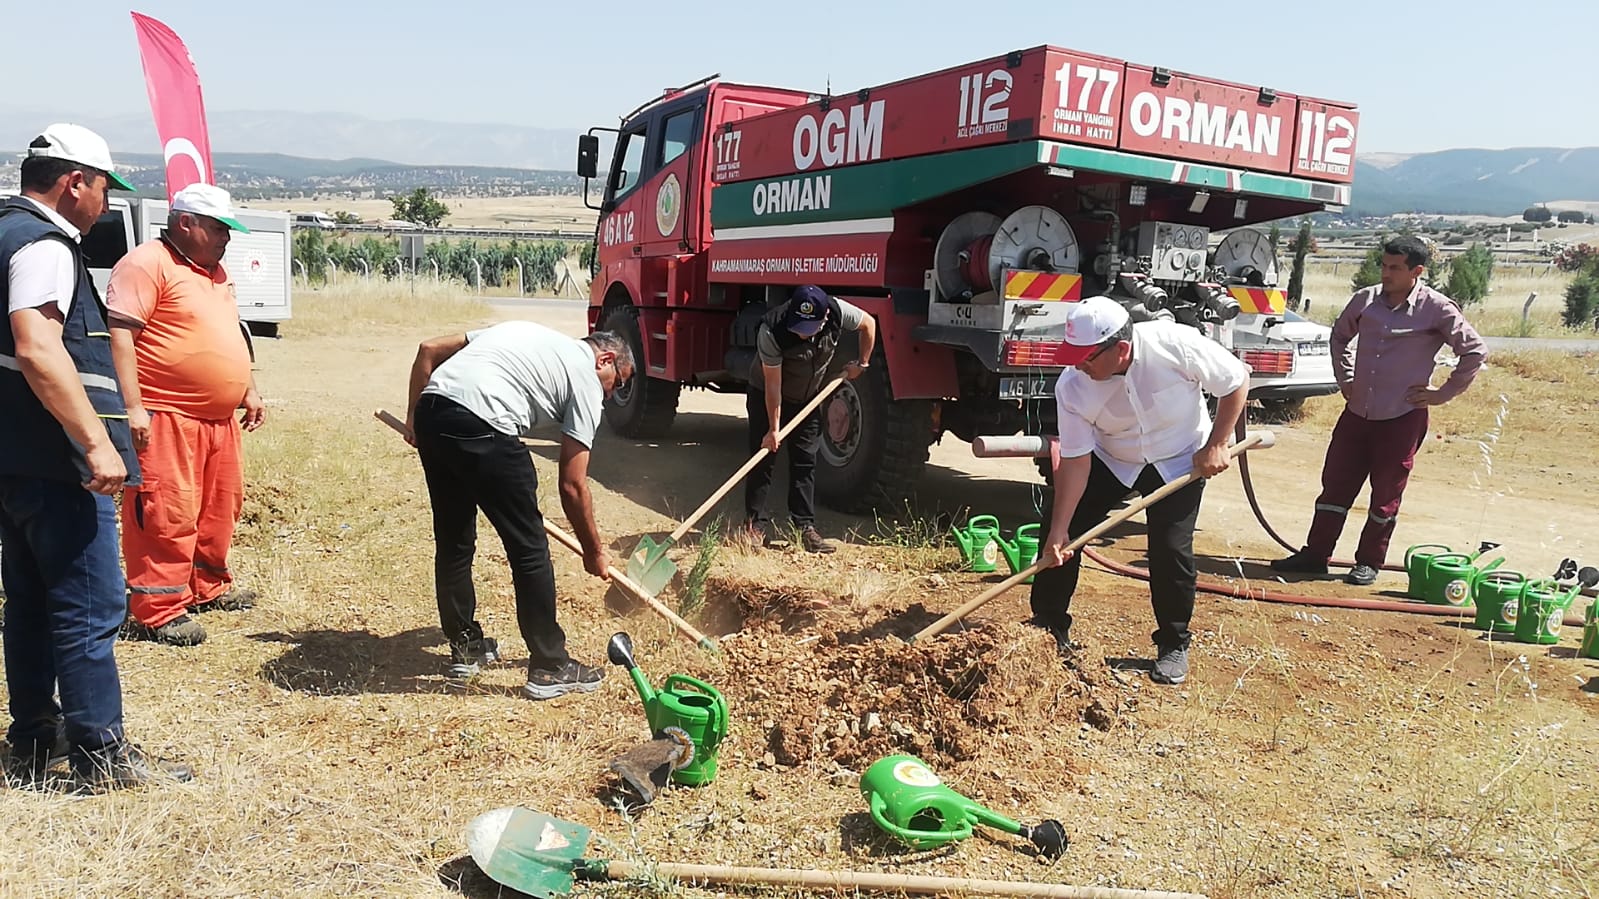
x: 1379, y: 519
x: 158, y: 590
x: 99, y: 382
x: 98, y: 334
x: 1336, y: 510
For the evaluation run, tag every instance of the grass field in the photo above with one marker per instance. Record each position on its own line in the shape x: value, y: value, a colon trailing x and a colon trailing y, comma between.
x: 1500, y: 313
x: 1327, y: 753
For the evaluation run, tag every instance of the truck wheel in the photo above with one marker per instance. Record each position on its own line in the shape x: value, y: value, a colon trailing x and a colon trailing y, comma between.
x: 642, y: 406
x: 873, y: 447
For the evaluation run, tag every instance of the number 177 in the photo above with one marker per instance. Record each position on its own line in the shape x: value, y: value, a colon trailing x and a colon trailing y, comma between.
x: 1089, y: 76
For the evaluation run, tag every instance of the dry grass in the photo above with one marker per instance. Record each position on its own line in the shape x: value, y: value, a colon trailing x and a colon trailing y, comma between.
x: 1499, y: 314
x: 1328, y: 755
x: 352, y: 305
x: 566, y: 214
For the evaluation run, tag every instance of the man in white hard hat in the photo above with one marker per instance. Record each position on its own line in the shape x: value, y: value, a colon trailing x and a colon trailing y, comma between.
x: 185, y: 372
x: 67, y: 450
x: 1131, y: 416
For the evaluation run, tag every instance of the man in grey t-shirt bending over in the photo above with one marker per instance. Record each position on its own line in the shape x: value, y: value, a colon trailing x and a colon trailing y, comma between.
x: 472, y: 397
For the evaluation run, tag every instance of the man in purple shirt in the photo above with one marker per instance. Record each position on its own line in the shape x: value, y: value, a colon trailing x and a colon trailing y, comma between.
x: 1400, y: 324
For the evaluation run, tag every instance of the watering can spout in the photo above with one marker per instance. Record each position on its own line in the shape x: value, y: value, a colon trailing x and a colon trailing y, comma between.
x: 963, y: 539
x: 620, y: 652
x: 1012, y: 550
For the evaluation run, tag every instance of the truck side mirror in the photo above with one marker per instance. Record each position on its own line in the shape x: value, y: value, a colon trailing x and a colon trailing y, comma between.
x: 588, y: 156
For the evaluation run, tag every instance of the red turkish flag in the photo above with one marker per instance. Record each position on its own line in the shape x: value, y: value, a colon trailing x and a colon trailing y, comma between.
x: 175, y: 101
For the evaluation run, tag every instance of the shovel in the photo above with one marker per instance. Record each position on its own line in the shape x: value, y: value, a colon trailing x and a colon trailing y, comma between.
x: 539, y: 855
x: 570, y: 542
x: 648, y: 565
x: 1257, y: 440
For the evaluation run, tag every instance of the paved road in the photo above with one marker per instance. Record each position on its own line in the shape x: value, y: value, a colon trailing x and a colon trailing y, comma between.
x: 1543, y: 343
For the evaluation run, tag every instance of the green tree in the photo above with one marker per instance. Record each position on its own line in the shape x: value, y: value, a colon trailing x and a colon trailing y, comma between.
x: 589, y: 257
x: 1582, y: 300
x: 1296, y: 276
x: 1370, y: 271
x: 346, y: 218
x: 420, y: 207
x: 1536, y: 214
x: 1469, y: 275
x: 311, y: 251
x: 1276, y: 235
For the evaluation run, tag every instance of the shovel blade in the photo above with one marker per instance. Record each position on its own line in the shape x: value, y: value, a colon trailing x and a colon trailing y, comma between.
x: 527, y: 850
x: 649, y: 567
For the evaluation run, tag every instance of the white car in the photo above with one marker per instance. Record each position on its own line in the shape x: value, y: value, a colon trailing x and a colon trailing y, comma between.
x: 1289, y: 357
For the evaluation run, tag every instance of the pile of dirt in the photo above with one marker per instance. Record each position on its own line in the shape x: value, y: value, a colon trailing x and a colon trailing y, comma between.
x: 977, y: 692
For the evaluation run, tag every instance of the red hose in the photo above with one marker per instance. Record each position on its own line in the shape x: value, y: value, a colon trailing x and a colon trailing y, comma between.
x: 1336, y: 602
x: 1254, y: 504
x: 976, y: 270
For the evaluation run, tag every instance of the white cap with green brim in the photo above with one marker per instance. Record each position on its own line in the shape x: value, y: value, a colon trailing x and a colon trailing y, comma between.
x: 209, y: 200
x: 76, y: 143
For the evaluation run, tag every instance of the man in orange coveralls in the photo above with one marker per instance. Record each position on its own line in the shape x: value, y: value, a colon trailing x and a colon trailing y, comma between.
x: 184, y: 367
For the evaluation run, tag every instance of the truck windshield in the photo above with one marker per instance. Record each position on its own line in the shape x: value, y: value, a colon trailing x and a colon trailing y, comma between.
x: 630, y: 162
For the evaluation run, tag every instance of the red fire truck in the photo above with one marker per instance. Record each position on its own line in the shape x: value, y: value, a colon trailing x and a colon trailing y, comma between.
x: 961, y: 208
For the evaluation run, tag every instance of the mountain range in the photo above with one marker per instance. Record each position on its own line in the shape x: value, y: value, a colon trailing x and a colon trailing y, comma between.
x: 287, y: 150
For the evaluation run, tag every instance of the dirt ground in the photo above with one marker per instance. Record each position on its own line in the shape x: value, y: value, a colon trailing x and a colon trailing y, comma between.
x: 1312, y: 752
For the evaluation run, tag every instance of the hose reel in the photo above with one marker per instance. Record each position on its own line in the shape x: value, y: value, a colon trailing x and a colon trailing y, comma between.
x: 976, y: 247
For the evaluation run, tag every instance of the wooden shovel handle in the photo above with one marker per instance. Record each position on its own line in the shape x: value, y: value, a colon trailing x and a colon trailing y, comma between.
x: 617, y: 577
x: 1261, y: 439
x: 782, y: 432
x: 844, y: 881
x: 627, y: 584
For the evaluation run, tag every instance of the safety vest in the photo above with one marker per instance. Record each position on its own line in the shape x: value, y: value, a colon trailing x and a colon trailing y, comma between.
x: 35, y: 444
x: 805, y: 361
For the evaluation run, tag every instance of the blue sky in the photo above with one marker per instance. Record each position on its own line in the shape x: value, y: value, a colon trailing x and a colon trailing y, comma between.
x: 1424, y: 79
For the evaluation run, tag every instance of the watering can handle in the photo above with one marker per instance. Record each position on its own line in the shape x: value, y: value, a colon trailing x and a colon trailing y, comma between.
x: 989, y: 520
x: 876, y: 806
x: 1412, y: 551
x: 718, y: 706
x: 993, y: 819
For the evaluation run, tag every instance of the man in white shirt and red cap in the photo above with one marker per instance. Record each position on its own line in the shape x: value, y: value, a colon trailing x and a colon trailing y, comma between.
x: 1131, y: 415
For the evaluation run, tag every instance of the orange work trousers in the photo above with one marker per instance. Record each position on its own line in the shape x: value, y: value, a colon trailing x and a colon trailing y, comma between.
x: 178, y: 525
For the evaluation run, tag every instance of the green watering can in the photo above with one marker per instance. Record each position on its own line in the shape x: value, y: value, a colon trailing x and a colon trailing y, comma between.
x: 1590, y: 633
x: 907, y: 801
x: 1497, y: 596
x: 1543, y: 609
x: 979, y: 543
x: 683, y: 702
x: 1417, y: 558
x: 1450, y: 576
x: 1022, y: 552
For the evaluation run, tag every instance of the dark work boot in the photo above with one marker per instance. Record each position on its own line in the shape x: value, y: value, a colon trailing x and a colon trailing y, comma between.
x: 235, y: 600
x: 1171, y: 666
x: 572, y: 677
x: 123, y: 766
x: 1300, y: 563
x: 814, y: 542
x: 31, y: 760
x: 180, y: 631
x: 468, y: 658
x: 1361, y: 576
